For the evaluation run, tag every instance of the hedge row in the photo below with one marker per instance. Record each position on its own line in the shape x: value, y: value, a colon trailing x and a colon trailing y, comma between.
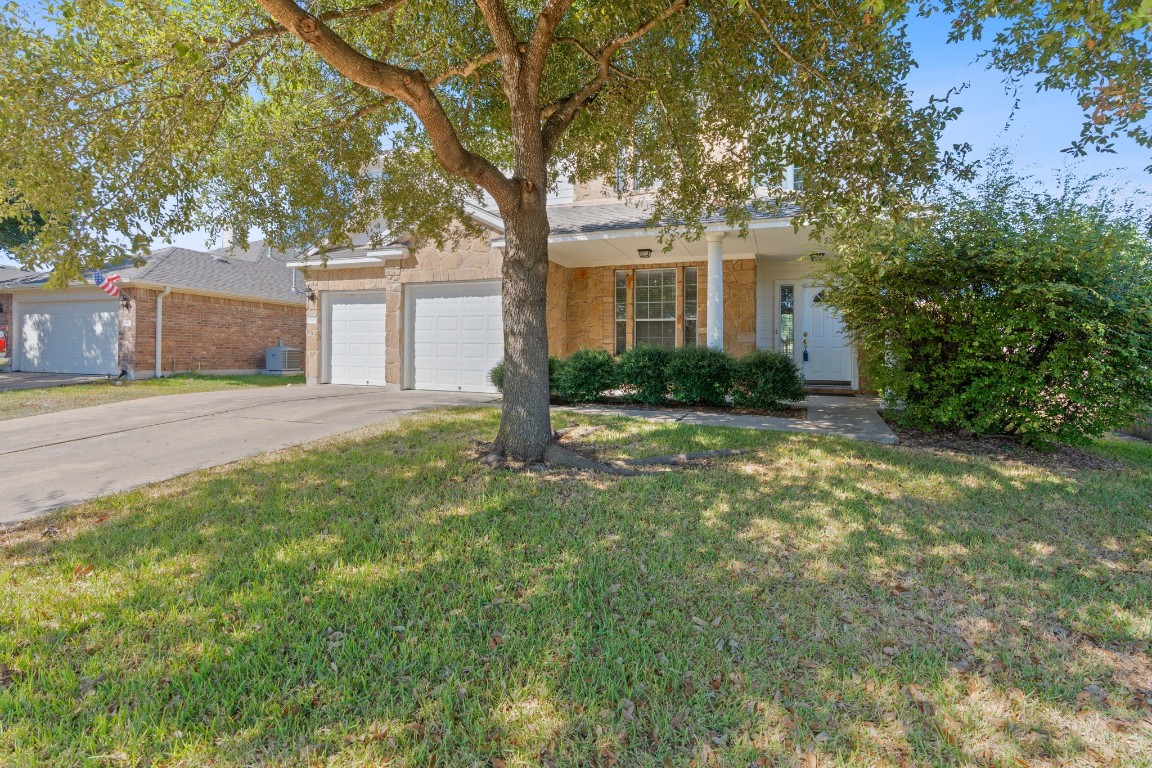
x: 689, y: 375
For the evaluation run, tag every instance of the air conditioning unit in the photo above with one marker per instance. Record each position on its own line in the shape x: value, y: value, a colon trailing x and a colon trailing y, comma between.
x: 283, y: 361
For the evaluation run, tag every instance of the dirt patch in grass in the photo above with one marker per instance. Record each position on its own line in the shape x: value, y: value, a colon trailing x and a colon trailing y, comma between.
x: 1004, y: 448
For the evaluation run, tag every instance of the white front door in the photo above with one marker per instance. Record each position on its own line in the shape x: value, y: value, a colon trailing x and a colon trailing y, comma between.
x: 356, y: 338
x: 69, y: 336
x: 456, y: 335
x: 829, y: 354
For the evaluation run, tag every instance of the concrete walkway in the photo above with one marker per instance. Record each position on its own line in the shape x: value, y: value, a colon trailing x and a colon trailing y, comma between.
x: 57, y: 459
x: 13, y: 381
x: 855, y: 418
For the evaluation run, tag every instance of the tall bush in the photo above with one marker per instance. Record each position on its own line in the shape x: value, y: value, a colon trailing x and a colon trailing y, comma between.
x: 642, y: 373
x: 766, y: 379
x: 585, y: 375
x: 699, y: 376
x: 1004, y: 310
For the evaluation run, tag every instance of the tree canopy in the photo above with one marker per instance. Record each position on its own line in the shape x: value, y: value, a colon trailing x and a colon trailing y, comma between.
x: 130, y: 121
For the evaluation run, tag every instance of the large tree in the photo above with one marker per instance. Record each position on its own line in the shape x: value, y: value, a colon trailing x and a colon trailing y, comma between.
x: 128, y: 121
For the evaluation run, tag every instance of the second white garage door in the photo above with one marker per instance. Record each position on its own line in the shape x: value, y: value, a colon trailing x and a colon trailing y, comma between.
x: 456, y: 335
x: 356, y: 338
x: 69, y: 336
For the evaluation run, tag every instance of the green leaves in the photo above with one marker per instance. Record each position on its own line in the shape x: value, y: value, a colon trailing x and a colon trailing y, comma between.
x: 1004, y: 310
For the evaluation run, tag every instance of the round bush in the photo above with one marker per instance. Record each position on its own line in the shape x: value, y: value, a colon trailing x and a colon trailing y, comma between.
x: 699, y: 376
x: 642, y: 373
x: 585, y: 375
x: 496, y: 375
x: 766, y: 379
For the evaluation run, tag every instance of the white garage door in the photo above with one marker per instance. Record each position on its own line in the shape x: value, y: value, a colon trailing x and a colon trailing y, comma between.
x: 457, y: 335
x: 356, y: 338
x: 69, y: 336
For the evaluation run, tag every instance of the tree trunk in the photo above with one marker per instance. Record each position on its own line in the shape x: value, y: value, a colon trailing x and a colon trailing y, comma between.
x: 526, y: 426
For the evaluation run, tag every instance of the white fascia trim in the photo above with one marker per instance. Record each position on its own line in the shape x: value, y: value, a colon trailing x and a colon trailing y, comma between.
x: 371, y: 258
x: 391, y: 252
x: 613, y: 234
x: 485, y: 217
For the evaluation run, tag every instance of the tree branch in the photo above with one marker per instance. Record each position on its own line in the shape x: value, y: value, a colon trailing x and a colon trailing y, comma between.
x: 496, y: 17
x: 409, y: 86
x: 276, y: 30
x: 559, y: 115
x: 467, y: 70
x: 542, y: 36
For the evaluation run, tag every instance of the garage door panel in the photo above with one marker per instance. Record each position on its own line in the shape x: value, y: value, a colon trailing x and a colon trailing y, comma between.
x: 356, y: 339
x: 457, y: 335
x: 70, y: 336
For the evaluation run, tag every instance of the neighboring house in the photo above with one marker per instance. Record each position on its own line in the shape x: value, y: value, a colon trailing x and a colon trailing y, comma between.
x: 6, y: 274
x: 431, y: 319
x: 180, y: 310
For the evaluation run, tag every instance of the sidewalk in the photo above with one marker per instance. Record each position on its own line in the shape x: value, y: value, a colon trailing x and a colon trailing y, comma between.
x: 855, y: 418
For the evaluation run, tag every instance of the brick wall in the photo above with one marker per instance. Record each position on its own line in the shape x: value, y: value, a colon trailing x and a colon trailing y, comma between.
x: 591, y: 304
x: 206, y: 333
x: 6, y: 324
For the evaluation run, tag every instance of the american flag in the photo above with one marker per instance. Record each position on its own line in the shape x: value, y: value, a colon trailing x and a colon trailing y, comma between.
x: 106, y: 283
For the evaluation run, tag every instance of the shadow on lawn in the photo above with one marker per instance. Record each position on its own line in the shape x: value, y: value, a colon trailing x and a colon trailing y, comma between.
x: 386, y: 599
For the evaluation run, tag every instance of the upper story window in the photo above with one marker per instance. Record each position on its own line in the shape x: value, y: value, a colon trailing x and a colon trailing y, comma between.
x: 790, y: 179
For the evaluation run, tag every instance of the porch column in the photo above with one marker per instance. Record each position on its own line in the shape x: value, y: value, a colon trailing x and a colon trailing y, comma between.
x: 715, y: 289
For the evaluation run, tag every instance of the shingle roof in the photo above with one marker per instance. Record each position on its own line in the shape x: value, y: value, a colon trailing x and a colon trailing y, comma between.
x: 15, y: 275
x: 585, y: 218
x: 257, y: 273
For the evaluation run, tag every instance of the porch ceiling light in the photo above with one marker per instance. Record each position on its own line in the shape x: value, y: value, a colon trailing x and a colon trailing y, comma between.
x: 644, y: 253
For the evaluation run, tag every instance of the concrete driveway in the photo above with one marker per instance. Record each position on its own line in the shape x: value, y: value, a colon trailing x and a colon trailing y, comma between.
x: 11, y: 381
x: 57, y: 459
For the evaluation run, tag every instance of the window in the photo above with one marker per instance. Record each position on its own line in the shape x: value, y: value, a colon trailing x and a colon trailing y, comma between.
x: 691, y: 309
x: 655, y: 307
x: 621, y: 311
x: 797, y: 179
x: 787, y: 319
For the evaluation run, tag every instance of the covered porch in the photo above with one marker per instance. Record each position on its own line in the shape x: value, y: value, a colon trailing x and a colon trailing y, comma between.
x: 615, y: 288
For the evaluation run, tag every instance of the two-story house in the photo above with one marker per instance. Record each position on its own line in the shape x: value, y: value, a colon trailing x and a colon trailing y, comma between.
x: 431, y: 319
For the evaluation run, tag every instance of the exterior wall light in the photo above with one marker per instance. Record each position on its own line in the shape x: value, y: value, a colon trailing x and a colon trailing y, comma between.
x: 644, y: 253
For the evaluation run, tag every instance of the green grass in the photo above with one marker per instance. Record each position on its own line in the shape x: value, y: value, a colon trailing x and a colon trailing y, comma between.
x: 31, y: 402
x: 385, y: 601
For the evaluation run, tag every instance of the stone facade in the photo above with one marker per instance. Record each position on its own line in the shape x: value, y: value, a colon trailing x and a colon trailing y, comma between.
x: 469, y: 259
x: 580, y: 299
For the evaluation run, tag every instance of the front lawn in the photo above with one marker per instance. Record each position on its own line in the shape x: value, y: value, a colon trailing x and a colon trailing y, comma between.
x: 385, y: 601
x: 31, y: 402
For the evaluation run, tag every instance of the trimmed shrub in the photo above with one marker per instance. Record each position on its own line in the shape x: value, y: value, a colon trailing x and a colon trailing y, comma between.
x: 642, y: 373
x: 1003, y: 310
x: 766, y: 379
x: 585, y: 375
x: 496, y: 375
x: 699, y: 376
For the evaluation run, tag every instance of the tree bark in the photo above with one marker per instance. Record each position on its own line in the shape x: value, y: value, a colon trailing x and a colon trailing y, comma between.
x: 526, y: 426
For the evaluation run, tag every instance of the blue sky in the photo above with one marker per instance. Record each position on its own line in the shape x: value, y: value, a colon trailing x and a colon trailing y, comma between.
x: 1043, y: 125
